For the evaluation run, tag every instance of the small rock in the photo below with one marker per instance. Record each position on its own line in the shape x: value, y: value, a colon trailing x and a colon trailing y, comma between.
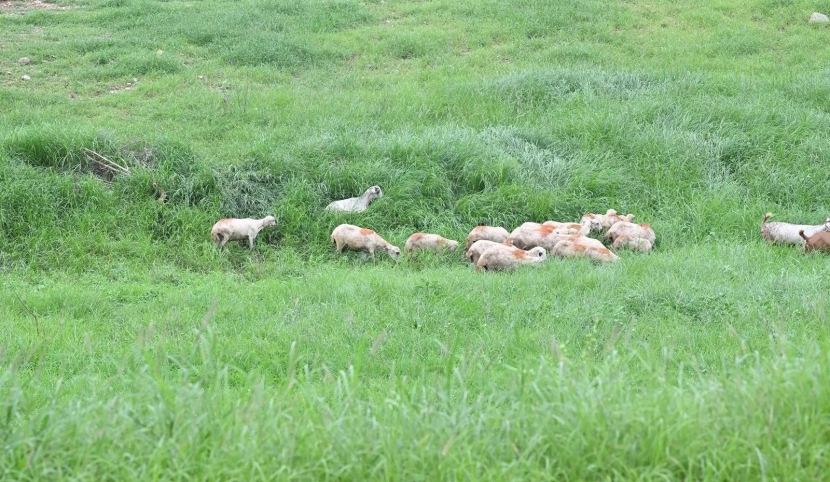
x: 26, y: 77
x: 819, y: 18
x: 201, y: 77
x: 24, y: 61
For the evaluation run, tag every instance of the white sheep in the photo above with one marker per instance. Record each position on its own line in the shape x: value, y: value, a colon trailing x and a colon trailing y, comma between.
x: 356, y: 204
x: 633, y: 243
x: 501, y: 257
x: 625, y: 228
x: 429, y: 242
x: 780, y: 232
x: 490, y: 233
x: 530, y: 235
x: 568, y: 228
x: 355, y: 238
x: 602, y: 222
x: 230, y: 229
x: 577, y: 249
x: 480, y: 246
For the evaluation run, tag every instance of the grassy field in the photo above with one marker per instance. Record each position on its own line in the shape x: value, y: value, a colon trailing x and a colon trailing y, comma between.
x: 132, y: 349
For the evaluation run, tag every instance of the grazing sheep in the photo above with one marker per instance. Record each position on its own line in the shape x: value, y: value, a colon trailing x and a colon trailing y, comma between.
x: 490, y: 233
x: 480, y: 247
x: 497, y: 258
x: 576, y: 249
x: 531, y: 235
x: 817, y: 242
x: 625, y: 228
x: 780, y: 232
x: 355, y: 238
x: 429, y: 242
x: 633, y: 243
x: 229, y: 229
x: 602, y: 222
x: 356, y: 204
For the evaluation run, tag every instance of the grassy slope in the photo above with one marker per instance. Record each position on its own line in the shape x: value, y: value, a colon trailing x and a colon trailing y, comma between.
x: 705, y: 359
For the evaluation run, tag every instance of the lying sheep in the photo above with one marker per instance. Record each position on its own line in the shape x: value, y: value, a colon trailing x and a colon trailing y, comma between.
x: 585, y: 240
x: 355, y: 238
x: 817, y: 242
x: 633, y: 243
x: 429, y: 242
x: 500, y: 257
x: 568, y: 228
x: 480, y: 246
x: 230, y: 229
x: 602, y: 222
x: 490, y: 233
x: 357, y: 204
x: 576, y: 249
x: 625, y: 228
x: 780, y: 232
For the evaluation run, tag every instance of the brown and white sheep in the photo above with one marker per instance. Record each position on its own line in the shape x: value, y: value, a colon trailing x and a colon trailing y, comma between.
x: 490, y: 233
x: 602, y: 222
x: 480, y: 247
x: 355, y: 238
x: 500, y: 257
x: 229, y: 229
x: 625, y: 228
x: 817, y: 242
x: 567, y: 228
x: 429, y: 242
x: 356, y: 204
x: 780, y: 232
x: 531, y: 235
x: 577, y: 249
x: 633, y: 243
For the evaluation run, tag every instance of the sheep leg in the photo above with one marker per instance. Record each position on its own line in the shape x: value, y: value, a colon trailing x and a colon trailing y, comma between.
x: 251, y: 242
x: 223, y: 240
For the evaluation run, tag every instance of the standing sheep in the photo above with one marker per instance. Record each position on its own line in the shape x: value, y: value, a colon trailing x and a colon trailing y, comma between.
x: 490, y: 233
x: 780, y: 232
x: 355, y: 238
x: 499, y: 258
x: 229, y: 229
x: 429, y: 242
x: 356, y: 204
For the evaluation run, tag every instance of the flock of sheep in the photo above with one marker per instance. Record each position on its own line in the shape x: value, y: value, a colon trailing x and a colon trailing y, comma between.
x: 492, y: 248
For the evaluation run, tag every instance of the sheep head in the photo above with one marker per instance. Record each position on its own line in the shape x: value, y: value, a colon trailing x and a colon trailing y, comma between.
x: 393, y: 251
x: 373, y: 193
x: 538, y: 252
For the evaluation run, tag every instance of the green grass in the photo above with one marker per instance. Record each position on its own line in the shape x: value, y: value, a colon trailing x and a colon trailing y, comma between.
x: 132, y: 349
